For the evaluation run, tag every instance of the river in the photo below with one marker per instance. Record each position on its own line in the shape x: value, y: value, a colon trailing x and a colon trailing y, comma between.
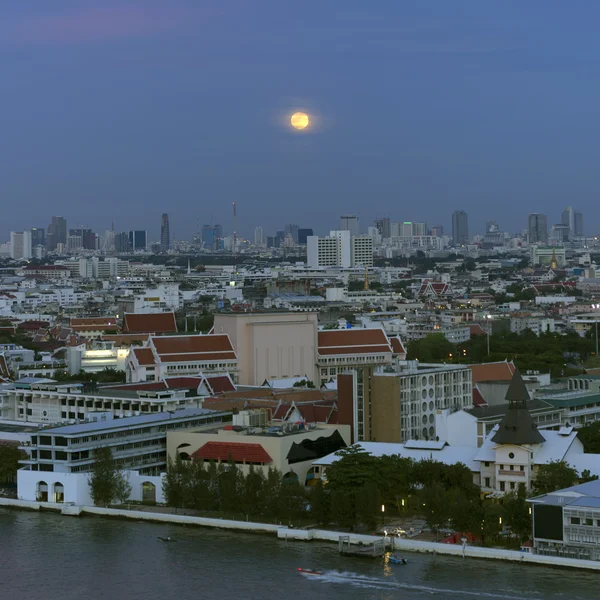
x: 45, y: 556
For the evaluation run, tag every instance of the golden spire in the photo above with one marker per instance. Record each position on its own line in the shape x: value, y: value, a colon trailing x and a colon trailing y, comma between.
x: 553, y: 260
x: 366, y: 279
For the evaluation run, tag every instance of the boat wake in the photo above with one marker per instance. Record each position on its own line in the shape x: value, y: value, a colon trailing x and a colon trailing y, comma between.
x: 364, y: 581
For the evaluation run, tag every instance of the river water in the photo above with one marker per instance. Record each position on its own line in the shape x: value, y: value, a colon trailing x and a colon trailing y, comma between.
x: 49, y: 557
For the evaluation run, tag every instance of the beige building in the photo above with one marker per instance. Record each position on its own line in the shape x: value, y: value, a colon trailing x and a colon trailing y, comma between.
x: 289, y: 448
x: 271, y: 345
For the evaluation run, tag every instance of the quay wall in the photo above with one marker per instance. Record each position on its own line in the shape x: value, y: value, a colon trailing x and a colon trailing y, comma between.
x: 285, y: 533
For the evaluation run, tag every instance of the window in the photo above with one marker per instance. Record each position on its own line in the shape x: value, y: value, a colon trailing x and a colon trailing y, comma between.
x: 575, y: 521
x: 512, y: 467
x: 502, y: 467
x: 512, y: 485
x: 511, y: 455
x: 589, y: 522
x: 486, y: 463
x: 522, y: 467
x: 487, y: 482
x: 502, y: 486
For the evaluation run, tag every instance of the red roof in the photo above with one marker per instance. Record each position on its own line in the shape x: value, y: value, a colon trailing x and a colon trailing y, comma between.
x: 477, y: 329
x: 478, y: 399
x: 144, y: 356
x: 149, y: 323
x: 194, y: 347
x: 93, y: 321
x: 397, y: 346
x: 353, y: 341
x: 219, y: 384
x: 239, y: 452
x: 497, y: 371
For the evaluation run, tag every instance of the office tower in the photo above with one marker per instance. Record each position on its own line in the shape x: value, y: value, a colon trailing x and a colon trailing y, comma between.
x: 218, y: 233
x: 578, y: 222
x: 560, y: 233
x: 259, y: 237
x: 122, y: 244
x: 108, y: 242
x: 292, y: 230
x: 419, y: 228
x: 87, y: 236
x: 74, y: 241
x: 209, y: 239
x: 538, y: 228
x: 350, y: 223
x: 20, y: 245
x: 57, y: 232
x: 361, y: 251
x: 270, y: 241
x: 406, y: 229
x: 460, y: 228
x: 165, y: 234
x: 303, y: 235
x: 568, y: 219
x: 279, y: 237
x: 383, y: 226
x: 38, y: 236
x: 138, y: 239
x: 437, y: 230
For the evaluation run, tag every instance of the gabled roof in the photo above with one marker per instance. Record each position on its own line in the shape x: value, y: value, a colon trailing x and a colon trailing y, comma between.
x: 238, y: 452
x: 193, y: 347
x: 397, y: 346
x: 478, y: 399
x: 149, y: 323
x: 144, y: 356
x: 353, y: 341
x: 218, y: 384
x: 477, y: 329
x: 97, y: 322
x: 496, y: 371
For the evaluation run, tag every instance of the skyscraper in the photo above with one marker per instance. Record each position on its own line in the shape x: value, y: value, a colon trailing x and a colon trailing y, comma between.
x: 293, y: 231
x: 350, y: 223
x: 137, y: 240
x: 460, y: 228
x: 578, y: 223
x: 538, y: 228
x: 20, y: 245
x: 165, y: 235
x: 38, y: 236
x: 57, y: 232
x: 259, y: 237
x: 303, y: 235
x: 568, y: 219
x: 383, y: 226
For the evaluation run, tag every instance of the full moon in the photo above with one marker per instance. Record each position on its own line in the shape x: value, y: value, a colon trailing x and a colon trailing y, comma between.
x: 299, y: 120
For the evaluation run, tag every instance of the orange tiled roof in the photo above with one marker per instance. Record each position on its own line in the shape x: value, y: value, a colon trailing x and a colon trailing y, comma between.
x: 194, y: 347
x: 239, y: 452
x: 353, y: 341
x: 149, y: 323
x: 144, y: 356
x: 497, y: 371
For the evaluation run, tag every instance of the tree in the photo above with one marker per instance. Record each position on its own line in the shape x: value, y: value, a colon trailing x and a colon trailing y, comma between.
x: 122, y: 486
x: 103, y: 480
x: 251, y: 497
x: 9, y: 462
x: 434, y: 501
x: 590, y: 437
x: 320, y: 504
x: 230, y: 485
x: 368, y: 503
x: 517, y: 512
x: 553, y: 476
x: 493, y: 515
x: 173, y: 483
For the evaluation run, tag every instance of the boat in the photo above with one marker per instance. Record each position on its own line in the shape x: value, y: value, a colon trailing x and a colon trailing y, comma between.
x: 310, y: 572
x: 397, y: 560
x: 165, y: 539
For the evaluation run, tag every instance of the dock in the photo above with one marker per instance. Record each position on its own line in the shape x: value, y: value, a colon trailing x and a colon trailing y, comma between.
x: 374, y: 550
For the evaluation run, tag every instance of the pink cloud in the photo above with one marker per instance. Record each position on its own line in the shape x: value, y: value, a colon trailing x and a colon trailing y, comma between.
x: 91, y: 24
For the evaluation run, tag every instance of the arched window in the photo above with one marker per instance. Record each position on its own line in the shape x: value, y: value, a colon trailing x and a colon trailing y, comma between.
x: 59, y: 492
x: 148, y: 492
x: 42, y: 491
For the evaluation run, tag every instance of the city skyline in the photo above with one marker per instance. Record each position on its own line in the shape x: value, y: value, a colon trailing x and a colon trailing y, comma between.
x: 479, y: 118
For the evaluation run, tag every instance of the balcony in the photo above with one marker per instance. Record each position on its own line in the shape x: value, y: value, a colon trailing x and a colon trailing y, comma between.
x: 511, y: 473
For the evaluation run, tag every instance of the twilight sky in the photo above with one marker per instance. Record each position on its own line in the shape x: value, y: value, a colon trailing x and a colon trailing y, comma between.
x: 121, y: 110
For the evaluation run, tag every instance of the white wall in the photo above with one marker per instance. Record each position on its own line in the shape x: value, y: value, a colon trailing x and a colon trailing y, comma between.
x: 76, y: 486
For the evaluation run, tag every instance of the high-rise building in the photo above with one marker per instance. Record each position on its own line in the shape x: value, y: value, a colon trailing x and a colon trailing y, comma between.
x: 340, y: 249
x: 209, y: 237
x: 350, y: 223
x: 460, y: 228
x: 538, y: 228
x: 122, y: 244
x: 38, y: 236
x: 303, y: 235
x: 88, y: 239
x: 20, y: 245
x: 259, y: 237
x: 419, y: 228
x: 437, y: 230
x: 292, y: 230
x: 57, y: 232
x: 138, y: 239
x: 383, y: 226
x: 165, y: 234
x: 491, y: 226
x: 578, y: 219
x: 568, y: 219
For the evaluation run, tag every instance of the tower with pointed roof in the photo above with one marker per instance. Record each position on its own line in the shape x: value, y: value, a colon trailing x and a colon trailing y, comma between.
x: 553, y: 260
x: 517, y: 427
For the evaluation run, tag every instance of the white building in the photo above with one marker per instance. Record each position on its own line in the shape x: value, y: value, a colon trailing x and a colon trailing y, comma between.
x: 350, y: 223
x: 20, y: 245
x: 340, y: 249
x: 259, y: 237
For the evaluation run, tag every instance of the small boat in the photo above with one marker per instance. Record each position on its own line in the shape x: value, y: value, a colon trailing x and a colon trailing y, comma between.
x: 165, y: 539
x: 309, y: 572
x: 397, y: 560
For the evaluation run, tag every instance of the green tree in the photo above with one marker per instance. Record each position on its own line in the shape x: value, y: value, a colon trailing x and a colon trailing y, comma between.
x: 493, y: 517
x: 174, y: 483
x: 320, y: 504
x: 466, y: 513
x: 122, y: 486
x: 343, y: 509
x: 553, y: 476
x: 433, y: 348
x: 252, y: 492
x: 103, y: 480
x: 368, y: 505
x: 9, y: 462
x: 230, y: 485
x: 516, y: 510
x: 590, y: 437
x: 434, y: 505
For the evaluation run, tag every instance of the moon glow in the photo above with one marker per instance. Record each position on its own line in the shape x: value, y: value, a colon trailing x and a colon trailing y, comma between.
x: 299, y: 120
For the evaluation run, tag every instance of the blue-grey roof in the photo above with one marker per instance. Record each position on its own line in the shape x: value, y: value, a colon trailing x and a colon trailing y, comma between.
x: 126, y: 422
x: 590, y: 501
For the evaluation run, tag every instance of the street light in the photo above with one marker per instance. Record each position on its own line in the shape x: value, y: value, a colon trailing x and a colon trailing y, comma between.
x: 596, y: 307
x: 487, y: 331
x: 382, y: 514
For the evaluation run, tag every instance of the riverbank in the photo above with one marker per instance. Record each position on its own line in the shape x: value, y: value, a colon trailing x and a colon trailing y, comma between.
x: 306, y: 535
